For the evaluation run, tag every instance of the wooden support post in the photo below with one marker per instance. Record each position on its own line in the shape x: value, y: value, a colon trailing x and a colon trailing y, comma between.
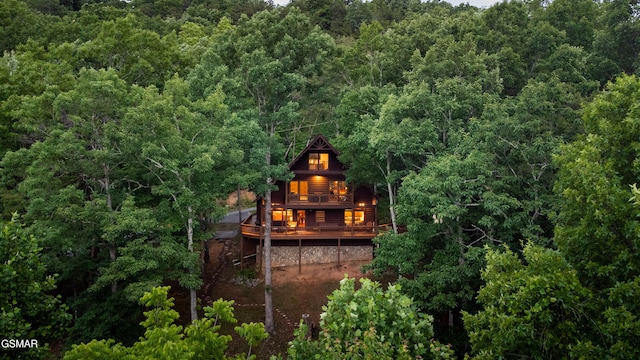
x: 259, y: 252
x: 239, y: 207
x: 338, y: 251
x: 241, y: 252
x: 300, y: 256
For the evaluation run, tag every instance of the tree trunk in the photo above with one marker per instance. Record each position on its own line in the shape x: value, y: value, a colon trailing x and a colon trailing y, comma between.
x: 392, y: 199
x: 238, y: 204
x: 113, y: 253
x: 112, y: 258
x: 268, y: 298
x: 192, y: 292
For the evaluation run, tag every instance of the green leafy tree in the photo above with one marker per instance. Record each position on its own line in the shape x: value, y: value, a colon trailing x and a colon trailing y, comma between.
x: 79, y: 184
x: 575, y: 18
x: 532, y: 307
x: 596, y: 224
x: 616, y: 42
x: 32, y: 77
x: 139, y: 56
x: 19, y: 23
x: 329, y: 15
x: 449, y: 198
x: 449, y: 211
x: 187, y: 153
x: 28, y: 309
x: 370, y: 323
x: 163, y: 339
x: 264, y: 64
x: 74, y: 138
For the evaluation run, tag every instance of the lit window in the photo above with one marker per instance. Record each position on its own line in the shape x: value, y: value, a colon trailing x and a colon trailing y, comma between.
x: 282, y: 215
x: 355, y: 217
x: 337, y: 188
x: 299, y: 188
x: 318, y: 161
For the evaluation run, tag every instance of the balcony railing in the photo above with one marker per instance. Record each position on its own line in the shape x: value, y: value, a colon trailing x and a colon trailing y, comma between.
x: 365, y: 230
x: 319, y: 199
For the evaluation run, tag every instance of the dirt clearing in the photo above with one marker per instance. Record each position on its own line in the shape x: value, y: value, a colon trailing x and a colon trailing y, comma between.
x: 296, y: 291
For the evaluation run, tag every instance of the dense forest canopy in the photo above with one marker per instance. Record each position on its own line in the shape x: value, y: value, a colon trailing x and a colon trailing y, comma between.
x: 503, y: 143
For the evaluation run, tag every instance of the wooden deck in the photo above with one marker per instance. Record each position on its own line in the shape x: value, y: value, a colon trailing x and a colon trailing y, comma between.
x: 311, y: 232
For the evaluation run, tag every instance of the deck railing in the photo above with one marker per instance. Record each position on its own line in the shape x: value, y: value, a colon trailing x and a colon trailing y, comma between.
x: 356, y: 230
x: 320, y: 199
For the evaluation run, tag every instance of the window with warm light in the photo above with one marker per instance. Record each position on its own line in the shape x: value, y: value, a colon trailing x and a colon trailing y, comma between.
x: 353, y: 217
x: 318, y: 161
x: 337, y: 188
x: 300, y: 188
x: 282, y: 215
x: 277, y: 215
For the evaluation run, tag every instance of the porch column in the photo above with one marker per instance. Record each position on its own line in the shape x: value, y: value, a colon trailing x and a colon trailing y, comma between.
x: 259, y: 252
x: 241, y: 251
x: 299, y: 255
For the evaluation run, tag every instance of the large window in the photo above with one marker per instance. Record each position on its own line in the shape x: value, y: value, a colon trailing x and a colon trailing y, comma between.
x: 300, y: 188
x: 318, y: 161
x: 353, y: 217
x: 282, y: 215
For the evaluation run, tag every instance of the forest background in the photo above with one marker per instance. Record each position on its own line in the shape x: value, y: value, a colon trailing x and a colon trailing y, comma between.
x: 502, y: 141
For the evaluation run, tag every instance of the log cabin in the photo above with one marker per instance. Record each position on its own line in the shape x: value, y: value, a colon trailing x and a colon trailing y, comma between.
x: 317, y: 216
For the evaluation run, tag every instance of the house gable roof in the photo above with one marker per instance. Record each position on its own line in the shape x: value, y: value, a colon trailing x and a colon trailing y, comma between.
x: 319, y: 143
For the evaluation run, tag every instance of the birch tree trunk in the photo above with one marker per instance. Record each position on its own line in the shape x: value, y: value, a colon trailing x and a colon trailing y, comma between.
x: 392, y: 199
x: 106, y: 183
x: 268, y: 295
x: 192, y: 292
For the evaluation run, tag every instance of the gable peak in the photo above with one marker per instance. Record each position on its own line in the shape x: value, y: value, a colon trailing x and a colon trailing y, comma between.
x: 319, y: 143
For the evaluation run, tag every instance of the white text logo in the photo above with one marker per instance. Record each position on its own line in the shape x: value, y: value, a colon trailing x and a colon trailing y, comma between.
x: 19, y: 343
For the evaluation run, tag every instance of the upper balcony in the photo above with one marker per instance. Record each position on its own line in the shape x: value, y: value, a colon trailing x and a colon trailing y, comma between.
x: 320, y: 199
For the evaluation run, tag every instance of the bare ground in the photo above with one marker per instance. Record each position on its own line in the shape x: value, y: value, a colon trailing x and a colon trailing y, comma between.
x: 296, y: 291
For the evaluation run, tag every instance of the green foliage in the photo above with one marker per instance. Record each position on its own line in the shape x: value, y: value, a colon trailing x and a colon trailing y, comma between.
x: 139, y: 56
x: 370, y: 323
x: 533, y: 307
x: 616, y: 41
x: 113, y: 157
x: 597, y: 222
x: 28, y: 309
x: 254, y: 333
x: 165, y: 340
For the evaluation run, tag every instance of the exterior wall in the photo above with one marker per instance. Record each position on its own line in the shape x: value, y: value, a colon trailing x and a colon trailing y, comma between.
x: 278, y: 196
x: 363, y: 194
x: 321, y: 246
x: 302, y: 164
x: 289, y: 255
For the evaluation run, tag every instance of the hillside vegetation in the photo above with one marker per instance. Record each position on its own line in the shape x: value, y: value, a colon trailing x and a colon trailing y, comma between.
x: 503, y: 144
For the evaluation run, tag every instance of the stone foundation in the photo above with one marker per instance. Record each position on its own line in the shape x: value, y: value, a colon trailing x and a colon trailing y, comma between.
x: 290, y: 255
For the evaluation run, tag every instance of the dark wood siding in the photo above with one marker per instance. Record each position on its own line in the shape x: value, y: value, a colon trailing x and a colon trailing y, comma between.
x: 318, y: 185
x: 334, y: 217
x: 363, y: 195
x: 369, y: 215
x: 278, y: 196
